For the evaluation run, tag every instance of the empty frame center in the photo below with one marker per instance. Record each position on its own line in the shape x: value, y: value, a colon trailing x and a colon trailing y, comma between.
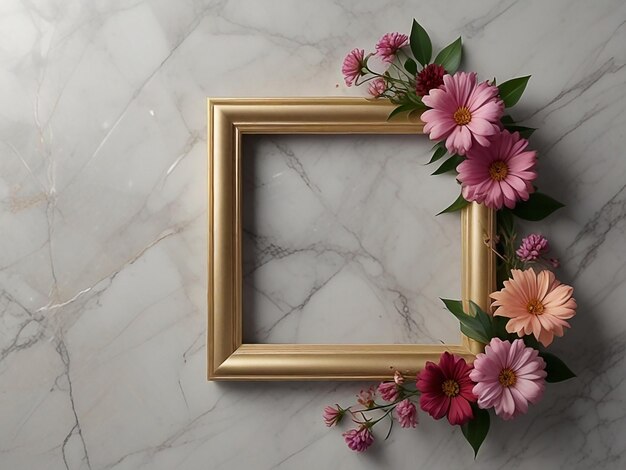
x: 341, y: 244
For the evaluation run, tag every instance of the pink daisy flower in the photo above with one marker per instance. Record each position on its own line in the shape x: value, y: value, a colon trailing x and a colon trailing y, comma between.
x: 463, y: 111
x: 353, y: 64
x: 500, y: 174
x: 359, y: 439
x: 406, y: 414
x: 536, y: 304
x: 388, y: 45
x: 446, y: 389
x: 508, y: 377
x: 377, y: 87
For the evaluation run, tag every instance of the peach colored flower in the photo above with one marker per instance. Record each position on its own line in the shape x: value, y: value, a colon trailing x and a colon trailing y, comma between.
x: 536, y: 304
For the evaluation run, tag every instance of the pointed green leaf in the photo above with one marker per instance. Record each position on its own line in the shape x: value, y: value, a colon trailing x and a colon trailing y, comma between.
x: 524, y: 132
x: 403, y: 108
x: 439, y: 151
x: 511, y: 90
x: 450, y: 56
x: 410, y: 66
x: 449, y: 165
x: 538, y: 207
x: 475, y: 431
x: 473, y: 327
x: 556, y: 368
x: 420, y: 44
x: 457, y: 205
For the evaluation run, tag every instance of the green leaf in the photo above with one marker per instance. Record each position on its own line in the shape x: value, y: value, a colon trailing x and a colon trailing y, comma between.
x: 524, y: 132
x: 450, y: 56
x: 410, y: 66
x: 507, y: 119
x: 475, y: 431
x: 420, y: 44
x: 440, y: 151
x: 556, y: 368
x: 449, y: 165
x: 403, y: 108
x: 457, y: 205
x: 477, y: 327
x: 511, y: 90
x: 538, y: 207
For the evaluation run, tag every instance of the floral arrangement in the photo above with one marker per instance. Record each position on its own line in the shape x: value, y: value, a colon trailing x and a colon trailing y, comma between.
x: 489, y: 153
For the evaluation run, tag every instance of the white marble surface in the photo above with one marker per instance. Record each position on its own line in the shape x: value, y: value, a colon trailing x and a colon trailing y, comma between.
x: 102, y: 227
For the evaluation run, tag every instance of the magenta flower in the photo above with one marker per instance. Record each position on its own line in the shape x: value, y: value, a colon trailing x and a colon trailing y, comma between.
x: 428, y: 78
x: 333, y: 415
x: 463, y: 112
x: 508, y: 377
x: 366, y: 397
x: 446, y: 389
x: 388, y: 45
x: 406, y: 414
x: 388, y: 391
x: 532, y: 247
x: 501, y: 174
x: 353, y: 66
x: 377, y: 87
x: 359, y: 439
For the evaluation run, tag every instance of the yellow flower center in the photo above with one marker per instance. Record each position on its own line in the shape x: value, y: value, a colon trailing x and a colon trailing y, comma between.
x: 462, y: 116
x: 535, y: 307
x: 450, y: 388
x: 498, y: 170
x: 507, y: 378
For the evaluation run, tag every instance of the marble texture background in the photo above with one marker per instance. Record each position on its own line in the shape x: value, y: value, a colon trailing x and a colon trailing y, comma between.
x: 103, y: 221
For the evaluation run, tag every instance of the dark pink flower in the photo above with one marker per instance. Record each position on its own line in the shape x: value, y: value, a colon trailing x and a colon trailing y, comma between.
x: 406, y: 413
x: 377, y: 87
x: 430, y: 77
x: 501, y: 174
x: 462, y: 112
x: 333, y: 415
x: 359, y: 439
x: 388, y: 45
x: 446, y: 389
x: 353, y: 66
x: 532, y: 247
x: 388, y: 391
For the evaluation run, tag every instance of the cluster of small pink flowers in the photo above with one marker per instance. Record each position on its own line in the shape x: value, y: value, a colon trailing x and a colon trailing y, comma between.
x: 359, y: 439
x: 389, y: 45
x: 533, y: 246
x: 406, y: 413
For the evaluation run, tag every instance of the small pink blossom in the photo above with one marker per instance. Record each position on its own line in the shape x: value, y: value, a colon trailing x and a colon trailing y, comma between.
x: 388, y: 391
x: 398, y: 378
x: 406, y: 414
x: 366, y: 397
x: 508, y: 377
x: 359, y: 439
x: 389, y: 44
x: 377, y: 87
x: 532, y: 247
x: 333, y: 415
x: 353, y: 66
x: 462, y: 112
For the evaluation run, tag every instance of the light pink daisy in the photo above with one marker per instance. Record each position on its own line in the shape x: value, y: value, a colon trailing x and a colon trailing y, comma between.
x: 463, y: 111
x: 500, y: 174
x: 388, y: 45
x: 377, y: 87
x: 406, y: 414
x: 353, y: 64
x: 536, y: 304
x: 359, y: 439
x: 508, y: 377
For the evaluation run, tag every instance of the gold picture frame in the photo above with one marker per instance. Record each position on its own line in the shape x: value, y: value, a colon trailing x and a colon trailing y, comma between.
x: 228, y: 358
